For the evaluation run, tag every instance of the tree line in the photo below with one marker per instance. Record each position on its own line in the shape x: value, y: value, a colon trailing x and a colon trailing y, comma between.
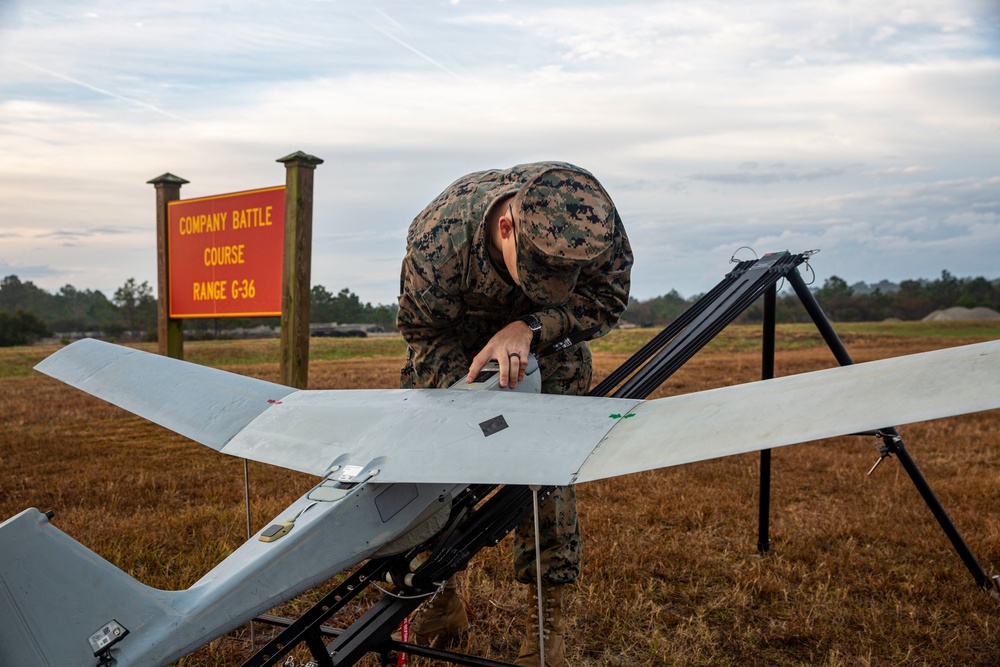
x: 860, y: 302
x: 28, y: 312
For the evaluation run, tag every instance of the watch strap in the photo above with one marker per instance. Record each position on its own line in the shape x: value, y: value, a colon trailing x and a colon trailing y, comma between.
x: 535, y: 325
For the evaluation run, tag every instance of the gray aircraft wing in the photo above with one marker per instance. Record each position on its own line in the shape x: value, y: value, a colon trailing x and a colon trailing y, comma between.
x: 434, y: 435
x: 205, y: 404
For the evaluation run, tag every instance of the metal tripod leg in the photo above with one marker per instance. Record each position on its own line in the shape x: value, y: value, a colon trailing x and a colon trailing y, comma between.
x: 896, y: 445
x: 767, y: 372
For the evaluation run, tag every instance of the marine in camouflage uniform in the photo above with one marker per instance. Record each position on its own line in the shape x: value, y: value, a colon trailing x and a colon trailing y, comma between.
x: 560, y: 268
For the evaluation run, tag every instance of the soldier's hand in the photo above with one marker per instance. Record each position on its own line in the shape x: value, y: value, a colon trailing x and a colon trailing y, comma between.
x: 510, y: 347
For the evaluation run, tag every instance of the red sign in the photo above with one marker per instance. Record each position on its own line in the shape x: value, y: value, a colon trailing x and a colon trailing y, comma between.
x: 226, y: 254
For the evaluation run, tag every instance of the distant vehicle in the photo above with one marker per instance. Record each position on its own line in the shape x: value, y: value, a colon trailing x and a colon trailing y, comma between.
x: 339, y: 333
x: 334, y: 330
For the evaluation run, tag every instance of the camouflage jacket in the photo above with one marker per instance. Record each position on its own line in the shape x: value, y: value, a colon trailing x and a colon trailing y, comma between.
x: 453, y: 298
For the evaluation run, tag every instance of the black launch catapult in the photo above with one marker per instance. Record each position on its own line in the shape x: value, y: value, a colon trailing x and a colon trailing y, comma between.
x: 484, y: 514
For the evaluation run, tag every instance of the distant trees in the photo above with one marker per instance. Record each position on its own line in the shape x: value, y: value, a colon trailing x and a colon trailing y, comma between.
x: 21, y: 328
x: 913, y: 300
x: 132, y: 310
x: 137, y: 305
x: 346, y: 306
x: 13, y: 294
x: 69, y: 309
x: 28, y: 312
x: 910, y: 300
x: 78, y: 310
x: 656, y: 311
x: 324, y: 307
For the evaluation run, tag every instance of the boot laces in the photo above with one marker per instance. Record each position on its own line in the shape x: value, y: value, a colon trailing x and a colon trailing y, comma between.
x: 548, y: 603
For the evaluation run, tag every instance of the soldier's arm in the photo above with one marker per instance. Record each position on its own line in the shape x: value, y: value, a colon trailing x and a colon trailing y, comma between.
x: 597, y: 302
x: 426, y: 319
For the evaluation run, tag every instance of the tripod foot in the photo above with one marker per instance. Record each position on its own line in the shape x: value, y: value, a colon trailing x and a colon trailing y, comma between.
x: 993, y: 590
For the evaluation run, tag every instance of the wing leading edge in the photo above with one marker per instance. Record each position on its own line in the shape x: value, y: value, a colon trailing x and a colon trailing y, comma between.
x: 449, y: 436
x: 205, y: 404
x: 437, y: 435
x: 800, y: 408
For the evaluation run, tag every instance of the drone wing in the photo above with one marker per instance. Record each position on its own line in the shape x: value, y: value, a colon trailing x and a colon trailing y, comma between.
x: 205, y: 404
x: 54, y: 593
x: 800, y: 408
x: 451, y: 436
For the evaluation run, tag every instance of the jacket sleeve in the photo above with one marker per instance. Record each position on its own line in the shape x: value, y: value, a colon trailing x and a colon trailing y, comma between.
x: 427, y: 320
x: 598, y: 300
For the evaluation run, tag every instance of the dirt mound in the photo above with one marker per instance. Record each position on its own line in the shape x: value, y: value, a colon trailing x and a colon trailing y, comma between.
x: 960, y: 313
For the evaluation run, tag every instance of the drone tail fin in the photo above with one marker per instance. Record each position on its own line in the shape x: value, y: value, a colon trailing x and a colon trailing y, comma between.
x: 61, y: 603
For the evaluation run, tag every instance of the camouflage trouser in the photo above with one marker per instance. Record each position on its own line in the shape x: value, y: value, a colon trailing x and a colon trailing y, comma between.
x: 566, y: 372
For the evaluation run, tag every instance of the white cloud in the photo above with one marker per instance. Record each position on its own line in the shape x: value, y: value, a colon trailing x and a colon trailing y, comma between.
x: 869, y: 124
x: 884, y: 33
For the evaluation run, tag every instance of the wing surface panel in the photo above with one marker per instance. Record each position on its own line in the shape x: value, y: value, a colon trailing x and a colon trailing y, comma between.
x: 433, y: 435
x: 800, y: 408
x: 205, y: 404
x: 451, y: 436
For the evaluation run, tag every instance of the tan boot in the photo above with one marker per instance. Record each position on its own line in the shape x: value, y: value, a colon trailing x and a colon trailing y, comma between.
x: 554, y: 628
x: 444, y: 618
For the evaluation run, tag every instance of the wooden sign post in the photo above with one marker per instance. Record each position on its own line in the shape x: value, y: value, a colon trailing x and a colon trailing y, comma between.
x: 243, y: 254
x: 299, y: 170
x: 170, y: 332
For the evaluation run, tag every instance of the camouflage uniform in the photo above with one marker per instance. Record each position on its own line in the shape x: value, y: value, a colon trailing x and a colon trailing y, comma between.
x: 454, y: 298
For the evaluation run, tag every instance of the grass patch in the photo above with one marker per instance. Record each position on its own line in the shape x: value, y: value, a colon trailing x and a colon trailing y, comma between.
x: 19, y: 361
x: 859, y: 573
x: 805, y: 335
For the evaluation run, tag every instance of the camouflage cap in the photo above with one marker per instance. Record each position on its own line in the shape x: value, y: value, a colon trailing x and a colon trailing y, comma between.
x: 565, y: 221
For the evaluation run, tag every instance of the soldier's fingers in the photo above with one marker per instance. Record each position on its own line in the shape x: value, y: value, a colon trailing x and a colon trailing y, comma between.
x: 478, y: 362
x: 515, y: 369
x: 503, y: 361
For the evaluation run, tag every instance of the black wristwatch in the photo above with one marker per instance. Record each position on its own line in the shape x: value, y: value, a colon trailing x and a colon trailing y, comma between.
x: 535, y: 325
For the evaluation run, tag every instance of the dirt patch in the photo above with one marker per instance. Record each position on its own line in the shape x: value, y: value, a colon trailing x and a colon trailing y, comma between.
x: 960, y: 313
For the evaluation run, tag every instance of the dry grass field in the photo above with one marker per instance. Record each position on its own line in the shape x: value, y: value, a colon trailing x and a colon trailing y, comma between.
x: 859, y: 572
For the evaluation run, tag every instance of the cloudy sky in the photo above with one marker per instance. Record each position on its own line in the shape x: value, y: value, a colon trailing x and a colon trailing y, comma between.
x: 867, y: 130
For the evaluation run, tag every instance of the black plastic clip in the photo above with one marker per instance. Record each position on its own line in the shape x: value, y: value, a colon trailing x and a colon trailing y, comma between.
x: 884, y: 454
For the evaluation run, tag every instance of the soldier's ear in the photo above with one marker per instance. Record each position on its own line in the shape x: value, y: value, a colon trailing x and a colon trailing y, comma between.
x: 506, y: 226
